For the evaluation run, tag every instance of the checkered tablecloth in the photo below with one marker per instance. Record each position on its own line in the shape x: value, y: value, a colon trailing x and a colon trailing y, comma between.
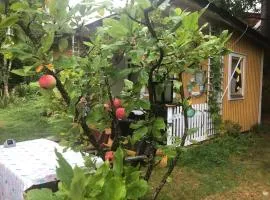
x: 30, y: 163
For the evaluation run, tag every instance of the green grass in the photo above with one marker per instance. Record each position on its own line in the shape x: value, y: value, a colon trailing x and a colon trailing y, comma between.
x: 23, y: 121
x: 225, y: 168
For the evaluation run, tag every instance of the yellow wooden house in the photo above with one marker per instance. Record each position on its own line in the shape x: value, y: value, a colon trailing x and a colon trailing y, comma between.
x: 242, y: 68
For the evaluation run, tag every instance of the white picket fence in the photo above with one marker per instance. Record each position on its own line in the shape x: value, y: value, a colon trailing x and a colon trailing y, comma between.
x: 201, y: 120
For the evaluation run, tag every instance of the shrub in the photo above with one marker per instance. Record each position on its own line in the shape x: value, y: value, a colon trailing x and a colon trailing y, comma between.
x: 24, y: 90
x: 230, y: 128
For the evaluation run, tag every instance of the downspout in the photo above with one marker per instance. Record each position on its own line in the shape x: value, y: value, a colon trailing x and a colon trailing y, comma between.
x: 261, y: 85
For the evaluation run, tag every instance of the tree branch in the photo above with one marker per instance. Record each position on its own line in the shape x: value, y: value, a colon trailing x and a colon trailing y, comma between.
x: 134, y: 19
x: 115, y: 124
x: 60, y: 87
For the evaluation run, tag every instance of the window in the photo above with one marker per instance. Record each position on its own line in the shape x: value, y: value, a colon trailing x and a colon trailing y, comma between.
x: 236, y: 76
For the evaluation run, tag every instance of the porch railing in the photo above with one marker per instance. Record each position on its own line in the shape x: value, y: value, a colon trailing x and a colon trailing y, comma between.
x: 201, y: 120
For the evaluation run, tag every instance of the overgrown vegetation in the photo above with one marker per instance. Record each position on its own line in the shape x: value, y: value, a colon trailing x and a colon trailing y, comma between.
x: 26, y: 117
x: 155, y: 39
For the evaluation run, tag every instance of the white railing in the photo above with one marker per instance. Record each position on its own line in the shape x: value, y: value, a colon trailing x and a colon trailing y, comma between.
x: 201, y: 120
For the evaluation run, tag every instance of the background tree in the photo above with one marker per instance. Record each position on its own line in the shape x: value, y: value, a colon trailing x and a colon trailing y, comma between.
x: 238, y: 8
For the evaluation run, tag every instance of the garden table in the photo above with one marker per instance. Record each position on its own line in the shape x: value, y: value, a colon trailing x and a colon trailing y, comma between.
x: 28, y: 164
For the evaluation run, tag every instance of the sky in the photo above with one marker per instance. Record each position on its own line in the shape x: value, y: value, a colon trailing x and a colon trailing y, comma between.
x: 117, y: 3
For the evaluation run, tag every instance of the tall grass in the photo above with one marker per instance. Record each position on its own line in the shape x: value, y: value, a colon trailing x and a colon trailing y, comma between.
x: 23, y: 120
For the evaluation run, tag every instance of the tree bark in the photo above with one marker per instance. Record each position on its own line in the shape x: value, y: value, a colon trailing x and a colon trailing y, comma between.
x: 6, y: 70
x: 265, y: 30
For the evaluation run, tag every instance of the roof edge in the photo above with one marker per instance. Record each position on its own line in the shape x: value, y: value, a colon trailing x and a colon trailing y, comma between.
x: 236, y: 23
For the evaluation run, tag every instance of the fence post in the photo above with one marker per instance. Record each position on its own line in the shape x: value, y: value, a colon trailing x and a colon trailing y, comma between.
x: 170, y: 124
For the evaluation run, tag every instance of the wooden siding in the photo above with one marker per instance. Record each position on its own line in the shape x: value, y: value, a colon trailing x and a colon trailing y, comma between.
x: 245, y: 111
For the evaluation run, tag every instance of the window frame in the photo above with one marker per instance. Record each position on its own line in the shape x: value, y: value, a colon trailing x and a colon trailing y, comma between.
x: 243, y: 70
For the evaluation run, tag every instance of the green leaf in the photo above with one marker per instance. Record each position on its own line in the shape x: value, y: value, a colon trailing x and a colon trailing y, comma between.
x: 77, y: 187
x: 190, y: 22
x: 143, y: 77
x: 115, y: 28
x: 139, y: 133
x: 19, y: 6
x: 64, y: 171
x: 137, y: 189
x: 8, y: 21
x: 159, y: 124
x: 39, y: 194
x: 143, y: 3
x: 47, y: 41
x: 118, y: 162
x: 137, y: 124
x: 25, y: 71
x: 114, y: 189
x: 128, y: 84
x: 177, y: 85
x: 144, y: 104
x: 63, y: 44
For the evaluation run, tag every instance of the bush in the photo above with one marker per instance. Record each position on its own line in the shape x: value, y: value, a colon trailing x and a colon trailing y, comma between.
x: 230, y: 128
x: 24, y: 90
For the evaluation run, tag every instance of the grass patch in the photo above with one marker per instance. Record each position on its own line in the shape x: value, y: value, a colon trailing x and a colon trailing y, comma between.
x: 23, y: 121
x: 211, y: 169
x: 215, y: 153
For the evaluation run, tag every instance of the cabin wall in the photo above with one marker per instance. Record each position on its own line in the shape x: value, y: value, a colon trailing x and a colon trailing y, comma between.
x: 202, y: 98
x: 244, y: 111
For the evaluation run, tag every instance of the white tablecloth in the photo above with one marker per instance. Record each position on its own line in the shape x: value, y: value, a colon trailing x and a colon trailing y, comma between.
x: 30, y: 163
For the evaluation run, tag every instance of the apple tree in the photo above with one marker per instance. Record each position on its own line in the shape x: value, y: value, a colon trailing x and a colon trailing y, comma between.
x: 154, y: 39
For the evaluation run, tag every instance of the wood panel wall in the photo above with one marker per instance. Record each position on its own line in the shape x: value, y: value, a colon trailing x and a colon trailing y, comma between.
x: 245, y: 111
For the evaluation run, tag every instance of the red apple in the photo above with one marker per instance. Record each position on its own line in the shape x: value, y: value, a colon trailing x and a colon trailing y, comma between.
x: 109, y: 155
x: 120, y: 113
x: 117, y: 103
x: 47, y: 82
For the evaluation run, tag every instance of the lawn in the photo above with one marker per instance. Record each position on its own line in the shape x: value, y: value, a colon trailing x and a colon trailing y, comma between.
x: 23, y: 120
x: 228, y: 168
x: 223, y: 168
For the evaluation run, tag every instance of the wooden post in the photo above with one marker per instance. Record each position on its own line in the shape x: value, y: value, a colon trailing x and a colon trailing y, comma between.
x: 170, y: 124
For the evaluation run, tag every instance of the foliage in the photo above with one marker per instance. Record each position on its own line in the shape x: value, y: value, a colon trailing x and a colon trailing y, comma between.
x: 119, y: 182
x: 238, y: 7
x: 156, y: 40
x: 26, y: 90
x: 215, y: 91
x: 230, y: 128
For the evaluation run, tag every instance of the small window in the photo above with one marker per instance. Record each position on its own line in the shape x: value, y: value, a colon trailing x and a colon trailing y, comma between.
x: 236, y: 76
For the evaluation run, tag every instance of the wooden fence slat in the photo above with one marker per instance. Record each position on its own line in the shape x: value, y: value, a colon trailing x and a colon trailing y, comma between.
x: 201, y: 120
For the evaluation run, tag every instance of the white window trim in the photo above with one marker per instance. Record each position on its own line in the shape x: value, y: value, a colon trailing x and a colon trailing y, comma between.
x: 243, y: 76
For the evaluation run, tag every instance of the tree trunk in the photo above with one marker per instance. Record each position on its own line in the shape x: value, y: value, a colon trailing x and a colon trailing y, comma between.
x: 6, y: 92
x: 6, y: 69
x: 265, y: 30
x: 265, y: 15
